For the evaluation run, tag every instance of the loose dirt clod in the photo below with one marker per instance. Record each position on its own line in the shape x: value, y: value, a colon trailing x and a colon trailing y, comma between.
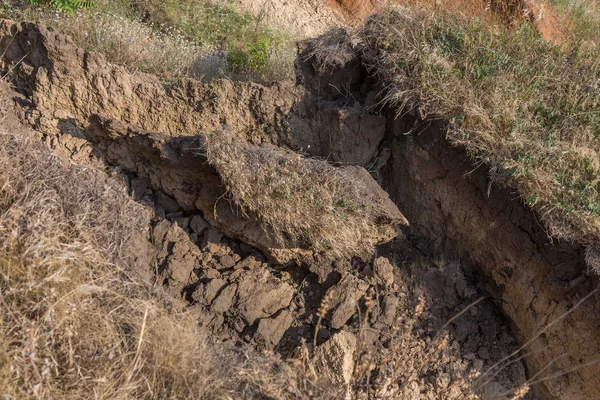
x: 305, y: 202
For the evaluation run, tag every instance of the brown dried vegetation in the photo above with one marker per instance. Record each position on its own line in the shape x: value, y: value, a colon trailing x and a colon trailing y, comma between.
x: 302, y: 202
x: 75, y: 319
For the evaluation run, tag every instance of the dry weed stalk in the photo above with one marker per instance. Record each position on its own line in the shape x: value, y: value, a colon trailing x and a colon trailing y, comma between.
x: 321, y: 313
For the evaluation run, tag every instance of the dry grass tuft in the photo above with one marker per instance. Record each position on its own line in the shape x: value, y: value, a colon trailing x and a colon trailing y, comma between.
x: 331, y: 51
x: 75, y: 323
x: 138, y: 46
x: 302, y: 202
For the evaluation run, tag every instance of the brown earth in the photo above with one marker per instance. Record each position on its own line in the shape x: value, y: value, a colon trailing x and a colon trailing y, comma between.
x: 98, y: 110
x: 543, y: 285
x: 148, y: 135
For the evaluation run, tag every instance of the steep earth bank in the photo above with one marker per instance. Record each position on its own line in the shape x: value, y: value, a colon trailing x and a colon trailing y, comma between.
x: 453, y: 207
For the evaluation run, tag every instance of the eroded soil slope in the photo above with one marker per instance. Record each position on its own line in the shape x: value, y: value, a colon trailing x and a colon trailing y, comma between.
x: 543, y: 285
x: 382, y: 316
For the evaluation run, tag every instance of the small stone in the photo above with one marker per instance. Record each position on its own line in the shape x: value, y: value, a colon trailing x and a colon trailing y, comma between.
x: 493, y: 390
x: 206, y: 293
x: 463, y: 329
x: 390, y: 309
x: 346, y: 295
x: 384, y: 271
x: 335, y: 357
x: 225, y: 299
x: 167, y: 203
x: 212, y: 273
x: 261, y: 295
x: 248, y: 263
x: 198, y: 224
x: 227, y: 261
x: 271, y: 330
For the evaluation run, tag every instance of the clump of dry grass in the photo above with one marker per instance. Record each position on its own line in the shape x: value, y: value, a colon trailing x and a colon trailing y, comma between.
x: 302, y: 202
x: 177, y: 39
x: 138, y: 46
x: 75, y: 323
x: 526, y: 107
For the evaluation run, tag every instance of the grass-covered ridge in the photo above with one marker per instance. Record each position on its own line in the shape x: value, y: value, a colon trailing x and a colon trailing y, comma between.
x: 173, y: 39
x: 527, y: 107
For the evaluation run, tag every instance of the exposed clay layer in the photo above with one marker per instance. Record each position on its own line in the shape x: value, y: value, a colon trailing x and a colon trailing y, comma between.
x: 452, y: 205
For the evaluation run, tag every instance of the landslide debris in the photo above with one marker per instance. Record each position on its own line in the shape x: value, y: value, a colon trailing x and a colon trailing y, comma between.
x: 374, y: 331
x: 305, y: 202
x: 95, y: 109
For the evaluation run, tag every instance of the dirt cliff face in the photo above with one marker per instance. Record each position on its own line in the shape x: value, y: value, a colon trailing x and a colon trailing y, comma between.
x: 542, y: 285
x: 66, y: 83
x: 154, y: 130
